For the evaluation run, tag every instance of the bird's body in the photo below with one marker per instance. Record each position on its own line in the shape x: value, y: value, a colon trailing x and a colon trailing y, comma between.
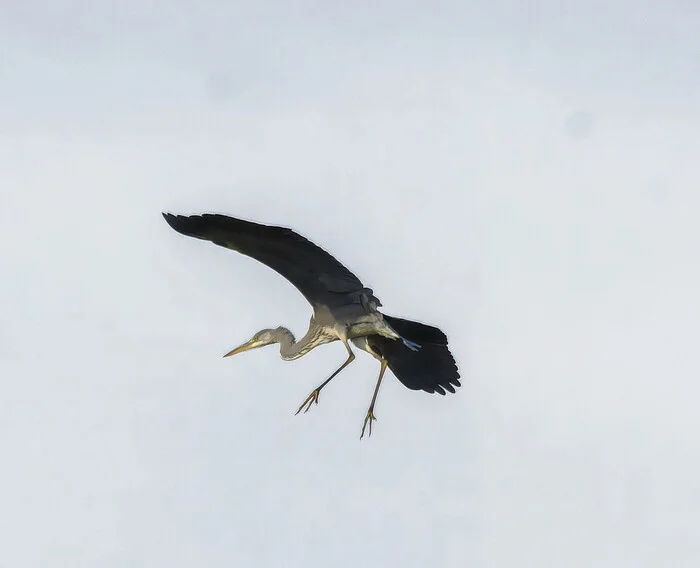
x: 343, y: 308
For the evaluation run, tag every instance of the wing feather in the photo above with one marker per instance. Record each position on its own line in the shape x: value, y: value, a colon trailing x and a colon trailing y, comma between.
x: 314, y: 272
x: 432, y: 368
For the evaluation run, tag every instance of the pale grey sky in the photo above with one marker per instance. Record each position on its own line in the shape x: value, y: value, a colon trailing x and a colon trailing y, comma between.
x: 524, y: 176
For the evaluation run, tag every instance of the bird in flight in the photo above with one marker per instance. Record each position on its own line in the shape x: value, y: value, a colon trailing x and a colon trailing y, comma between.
x: 343, y: 309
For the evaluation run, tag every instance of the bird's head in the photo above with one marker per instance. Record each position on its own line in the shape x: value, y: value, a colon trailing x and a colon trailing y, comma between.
x: 261, y: 339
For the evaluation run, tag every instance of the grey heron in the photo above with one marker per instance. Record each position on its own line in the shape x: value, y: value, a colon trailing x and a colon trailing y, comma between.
x: 343, y: 309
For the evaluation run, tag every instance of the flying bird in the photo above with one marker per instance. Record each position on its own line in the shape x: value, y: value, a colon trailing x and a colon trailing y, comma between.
x: 343, y: 309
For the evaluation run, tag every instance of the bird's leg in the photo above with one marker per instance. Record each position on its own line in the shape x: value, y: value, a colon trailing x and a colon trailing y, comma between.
x: 393, y: 334
x: 412, y: 345
x: 370, y: 412
x: 313, y: 397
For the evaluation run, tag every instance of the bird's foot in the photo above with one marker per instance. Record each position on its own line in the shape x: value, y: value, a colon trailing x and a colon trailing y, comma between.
x: 410, y: 344
x: 368, y: 419
x: 313, y: 397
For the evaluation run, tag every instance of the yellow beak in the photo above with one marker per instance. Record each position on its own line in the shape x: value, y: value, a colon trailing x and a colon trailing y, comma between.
x: 245, y: 347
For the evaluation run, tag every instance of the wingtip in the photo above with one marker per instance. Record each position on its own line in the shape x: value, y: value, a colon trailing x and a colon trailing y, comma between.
x: 170, y: 219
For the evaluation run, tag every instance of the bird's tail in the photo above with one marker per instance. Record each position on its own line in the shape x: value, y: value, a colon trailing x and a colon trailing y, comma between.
x: 431, y: 368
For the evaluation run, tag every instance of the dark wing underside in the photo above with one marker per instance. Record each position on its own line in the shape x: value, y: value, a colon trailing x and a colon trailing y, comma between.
x: 432, y: 368
x: 314, y: 272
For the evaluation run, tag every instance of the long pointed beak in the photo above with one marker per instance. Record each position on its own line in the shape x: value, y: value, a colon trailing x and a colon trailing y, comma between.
x: 240, y: 349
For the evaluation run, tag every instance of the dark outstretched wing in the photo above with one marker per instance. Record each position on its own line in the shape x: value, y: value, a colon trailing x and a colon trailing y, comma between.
x: 432, y: 368
x: 314, y: 272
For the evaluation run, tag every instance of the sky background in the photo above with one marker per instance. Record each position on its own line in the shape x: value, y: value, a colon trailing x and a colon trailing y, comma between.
x: 523, y: 175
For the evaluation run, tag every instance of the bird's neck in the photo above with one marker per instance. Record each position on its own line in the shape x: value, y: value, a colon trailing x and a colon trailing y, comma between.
x: 290, y: 348
x: 288, y: 344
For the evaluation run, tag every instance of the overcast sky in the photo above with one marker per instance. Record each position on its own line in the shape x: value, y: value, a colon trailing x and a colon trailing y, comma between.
x: 523, y: 175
